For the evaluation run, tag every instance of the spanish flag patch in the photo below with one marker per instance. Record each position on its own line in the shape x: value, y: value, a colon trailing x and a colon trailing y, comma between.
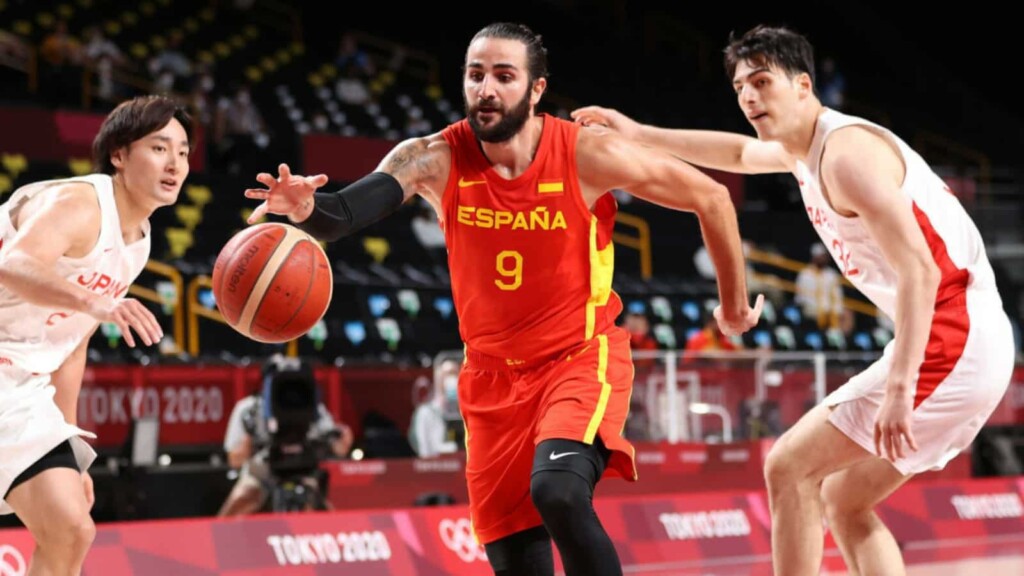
x: 550, y: 187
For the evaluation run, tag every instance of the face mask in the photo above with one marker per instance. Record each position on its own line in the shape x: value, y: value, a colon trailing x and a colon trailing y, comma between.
x: 451, y: 388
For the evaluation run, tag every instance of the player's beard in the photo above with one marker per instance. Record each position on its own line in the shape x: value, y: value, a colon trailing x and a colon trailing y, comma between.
x: 512, y: 121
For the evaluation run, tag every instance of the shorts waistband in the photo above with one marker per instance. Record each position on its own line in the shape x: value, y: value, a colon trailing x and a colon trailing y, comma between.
x: 481, y: 361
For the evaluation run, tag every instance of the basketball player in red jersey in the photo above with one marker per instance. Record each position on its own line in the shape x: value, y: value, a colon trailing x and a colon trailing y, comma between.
x: 524, y: 203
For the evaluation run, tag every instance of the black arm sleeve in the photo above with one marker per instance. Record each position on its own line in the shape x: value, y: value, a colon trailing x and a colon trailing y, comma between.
x: 354, y: 207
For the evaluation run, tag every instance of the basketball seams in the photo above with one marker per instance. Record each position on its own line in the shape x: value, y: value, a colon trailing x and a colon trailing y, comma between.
x: 259, y: 289
x: 316, y: 254
x: 314, y: 249
x: 226, y: 263
x: 309, y: 289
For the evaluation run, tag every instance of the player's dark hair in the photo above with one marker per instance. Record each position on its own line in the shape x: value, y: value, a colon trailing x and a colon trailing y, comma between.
x: 132, y: 120
x: 771, y: 46
x: 536, y: 53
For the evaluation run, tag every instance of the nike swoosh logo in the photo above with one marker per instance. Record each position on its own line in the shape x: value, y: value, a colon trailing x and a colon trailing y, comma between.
x: 556, y: 456
x: 463, y: 183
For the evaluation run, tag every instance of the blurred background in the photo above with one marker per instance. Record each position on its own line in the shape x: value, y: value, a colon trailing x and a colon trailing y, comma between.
x: 331, y: 89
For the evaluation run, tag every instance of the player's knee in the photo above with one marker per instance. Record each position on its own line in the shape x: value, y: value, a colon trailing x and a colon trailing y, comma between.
x: 780, y: 468
x: 837, y: 504
x: 66, y: 534
x: 557, y: 493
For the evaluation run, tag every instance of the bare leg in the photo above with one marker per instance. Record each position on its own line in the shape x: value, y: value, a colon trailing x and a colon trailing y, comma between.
x: 811, y: 450
x: 53, y: 507
x: 849, y: 497
x: 246, y: 498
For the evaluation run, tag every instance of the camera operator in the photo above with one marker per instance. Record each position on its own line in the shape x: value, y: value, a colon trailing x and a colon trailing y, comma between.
x: 274, y: 435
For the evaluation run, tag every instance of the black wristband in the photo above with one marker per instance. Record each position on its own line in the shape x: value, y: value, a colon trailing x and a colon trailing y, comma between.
x: 354, y: 207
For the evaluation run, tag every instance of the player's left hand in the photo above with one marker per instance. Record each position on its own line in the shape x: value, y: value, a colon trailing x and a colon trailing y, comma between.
x: 892, y: 426
x: 734, y: 326
x: 284, y: 195
x: 90, y: 496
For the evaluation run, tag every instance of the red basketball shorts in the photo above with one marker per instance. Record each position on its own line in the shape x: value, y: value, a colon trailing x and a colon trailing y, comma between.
x: 509, y: 409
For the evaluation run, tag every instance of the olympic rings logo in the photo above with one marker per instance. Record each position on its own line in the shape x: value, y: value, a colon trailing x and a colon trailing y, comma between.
x: 12, y: 563
x: 458, y: 536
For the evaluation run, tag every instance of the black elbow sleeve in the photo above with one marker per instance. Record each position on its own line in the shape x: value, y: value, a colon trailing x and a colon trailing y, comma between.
x: 365, y: 201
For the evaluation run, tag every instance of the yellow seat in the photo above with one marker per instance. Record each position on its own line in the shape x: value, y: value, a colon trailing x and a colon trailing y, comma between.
x: 179, y: 240
x: 80, y: 166
x: 199, y: 195
x: 6, y: 184
x: 14, y: 163
x: 377, y: 248
x: 222, y: 49
x: 190, y: 216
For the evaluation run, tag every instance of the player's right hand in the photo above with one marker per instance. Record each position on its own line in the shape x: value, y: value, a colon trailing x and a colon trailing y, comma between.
x: 130, y: 315
x: 734, y: 326
x: 624, y: 125
x: 286, y: 195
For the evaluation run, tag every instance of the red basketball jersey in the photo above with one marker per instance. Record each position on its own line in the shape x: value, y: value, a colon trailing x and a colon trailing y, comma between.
x: 531, y: 265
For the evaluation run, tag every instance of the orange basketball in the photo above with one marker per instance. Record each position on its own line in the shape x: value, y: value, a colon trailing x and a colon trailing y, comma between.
x: 272, y: 282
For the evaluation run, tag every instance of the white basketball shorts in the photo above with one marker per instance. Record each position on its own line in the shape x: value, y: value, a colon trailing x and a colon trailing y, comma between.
x: 967, y: 369
x: 31, y: 425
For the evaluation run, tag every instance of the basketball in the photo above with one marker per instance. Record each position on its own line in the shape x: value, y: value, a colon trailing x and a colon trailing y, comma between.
x: 272, y: 282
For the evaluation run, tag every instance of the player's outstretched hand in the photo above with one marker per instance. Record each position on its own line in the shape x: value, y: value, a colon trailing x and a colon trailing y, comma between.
x: 617, y: 121
x: 741, y: 323
x: 288, y: 194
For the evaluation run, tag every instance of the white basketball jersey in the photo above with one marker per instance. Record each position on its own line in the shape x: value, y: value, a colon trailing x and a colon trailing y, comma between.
x: 955, y: 242
x: 39, y: 339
